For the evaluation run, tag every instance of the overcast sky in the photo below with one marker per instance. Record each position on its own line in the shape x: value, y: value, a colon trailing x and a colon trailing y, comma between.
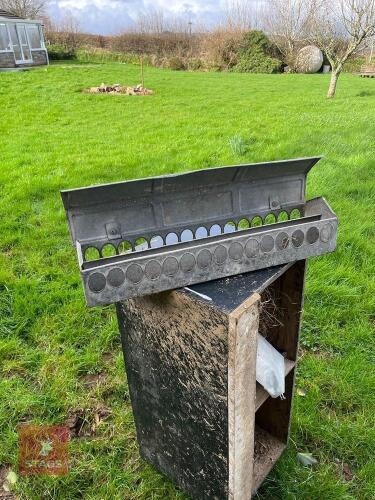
x: 112, y: 16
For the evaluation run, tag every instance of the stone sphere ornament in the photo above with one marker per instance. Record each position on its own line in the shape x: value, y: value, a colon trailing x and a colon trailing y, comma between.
x: 309, y: 59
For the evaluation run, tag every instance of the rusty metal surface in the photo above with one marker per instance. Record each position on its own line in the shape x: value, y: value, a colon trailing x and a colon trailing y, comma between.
x: 195, y: 227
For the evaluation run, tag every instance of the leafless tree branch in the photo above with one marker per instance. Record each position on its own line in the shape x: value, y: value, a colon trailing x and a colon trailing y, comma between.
x: 27, y: 9
x: 341, y: 28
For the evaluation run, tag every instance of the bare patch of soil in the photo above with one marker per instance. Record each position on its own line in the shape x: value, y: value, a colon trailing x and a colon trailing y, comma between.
x: 108, y: 357
x: 84, y: 422
x: 93, y: 380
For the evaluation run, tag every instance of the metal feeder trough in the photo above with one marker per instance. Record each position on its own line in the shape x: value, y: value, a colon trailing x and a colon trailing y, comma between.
x: 167, y: 232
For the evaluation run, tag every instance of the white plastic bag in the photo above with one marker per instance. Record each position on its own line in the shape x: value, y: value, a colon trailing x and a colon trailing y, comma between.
x: 270, y: 370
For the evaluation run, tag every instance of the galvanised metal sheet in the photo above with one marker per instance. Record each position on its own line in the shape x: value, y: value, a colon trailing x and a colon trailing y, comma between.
x: 189, y: 228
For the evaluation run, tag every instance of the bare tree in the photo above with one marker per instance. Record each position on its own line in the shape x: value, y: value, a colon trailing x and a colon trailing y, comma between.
x: 287, y: 22
x: 157, y: 21
x: 151, y: 21
x: 27, y: 9
x: 341, y: 28
x: 66, y: 31
x: 241, y: 15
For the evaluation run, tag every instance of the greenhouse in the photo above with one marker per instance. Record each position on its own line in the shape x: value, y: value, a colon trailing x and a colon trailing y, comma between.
x: 21, y: 42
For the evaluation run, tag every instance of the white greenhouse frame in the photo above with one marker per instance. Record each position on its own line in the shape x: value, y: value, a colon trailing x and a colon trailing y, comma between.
x: 23, y: 49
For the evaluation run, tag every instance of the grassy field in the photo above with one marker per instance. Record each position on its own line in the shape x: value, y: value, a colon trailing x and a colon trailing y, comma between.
x: 59, y: 360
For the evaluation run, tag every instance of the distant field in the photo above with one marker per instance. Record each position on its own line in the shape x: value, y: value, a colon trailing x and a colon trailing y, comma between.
x: 58, y: 359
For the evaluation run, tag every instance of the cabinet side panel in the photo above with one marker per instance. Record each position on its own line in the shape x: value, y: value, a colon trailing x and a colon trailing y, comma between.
x: 175, y: 351
x: 242, y: 394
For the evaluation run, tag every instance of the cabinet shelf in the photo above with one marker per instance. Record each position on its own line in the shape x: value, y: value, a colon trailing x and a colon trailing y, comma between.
x: 267, y: 451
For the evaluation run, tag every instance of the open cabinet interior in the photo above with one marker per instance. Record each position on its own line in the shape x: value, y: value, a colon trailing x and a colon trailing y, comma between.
x: 279, y: 322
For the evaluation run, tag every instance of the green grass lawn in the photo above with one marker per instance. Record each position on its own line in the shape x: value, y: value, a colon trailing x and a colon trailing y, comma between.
x: 59, y: 359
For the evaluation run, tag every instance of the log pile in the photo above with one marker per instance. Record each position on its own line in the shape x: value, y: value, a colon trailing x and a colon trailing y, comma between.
x: 119, y: 89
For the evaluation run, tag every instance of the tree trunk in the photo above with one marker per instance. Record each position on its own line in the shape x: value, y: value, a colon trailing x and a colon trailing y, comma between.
x: 333, y: 84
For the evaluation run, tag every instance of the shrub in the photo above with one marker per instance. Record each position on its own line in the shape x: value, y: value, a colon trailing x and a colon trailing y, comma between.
x: 258, y: 62
x: 354, y: 64
x: 256, y: 54
x: 175, y: 63
x: 220, y: 49
x: 195, y: 64
x: 92, y: 54
x: 58, y: 52
x: 165, y: 44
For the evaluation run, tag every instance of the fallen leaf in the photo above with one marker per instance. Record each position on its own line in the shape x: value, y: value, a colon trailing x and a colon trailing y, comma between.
x: 306, y: 459
x: 301, y: 392
x: 11, y: 477
x: 347, y: 472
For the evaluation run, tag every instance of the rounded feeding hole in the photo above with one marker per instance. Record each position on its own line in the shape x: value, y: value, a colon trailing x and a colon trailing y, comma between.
x: 230, y: 227
x: 270, y: 219
x: 283, y: 216
x: 204, y: 258
x: 124, y: 247
x: 141, y: 244
x: 187, y: 262
x: 215, y: 230
x: 186, y: 235
x: 153, y: 269
x: 267, y: 243
x: 297, y: 238
x: 220, y: 254
x: 92, y: 253
x: 116, y: 277
x: 97, y: 282
x: 201, y: 232
x: 243, y: 224
x: 235, y: 251
x: 171, y: 239
x: 312, y: 234
x: 326, y: 233
x: 156, y: 242
x: 170, y: 266
x: 295, y: 214
x: 252, y: 248
x: 282, y: 241
x: 108, y: 250
x: 256, y: 221
x: 134, y: 273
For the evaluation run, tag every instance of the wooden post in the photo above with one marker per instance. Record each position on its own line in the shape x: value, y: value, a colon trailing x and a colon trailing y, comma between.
x: 142, y: 72
x: 190, y: 357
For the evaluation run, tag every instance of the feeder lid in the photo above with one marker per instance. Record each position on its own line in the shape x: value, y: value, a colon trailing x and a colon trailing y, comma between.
x: 158, y: 205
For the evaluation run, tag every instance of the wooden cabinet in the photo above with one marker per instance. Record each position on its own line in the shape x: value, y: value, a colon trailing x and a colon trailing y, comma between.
x: 190, y: 356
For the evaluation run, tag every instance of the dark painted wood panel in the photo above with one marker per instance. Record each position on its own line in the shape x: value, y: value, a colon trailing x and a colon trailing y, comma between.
x: 176, y: 362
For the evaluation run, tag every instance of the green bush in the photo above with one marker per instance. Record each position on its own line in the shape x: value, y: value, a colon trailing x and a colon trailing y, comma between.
x: 57, y: 52
x: 256, y: 54
x: 258, y: 63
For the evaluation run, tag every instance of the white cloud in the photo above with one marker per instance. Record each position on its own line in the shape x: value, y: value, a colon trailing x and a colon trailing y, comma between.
x: 112, y: 16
